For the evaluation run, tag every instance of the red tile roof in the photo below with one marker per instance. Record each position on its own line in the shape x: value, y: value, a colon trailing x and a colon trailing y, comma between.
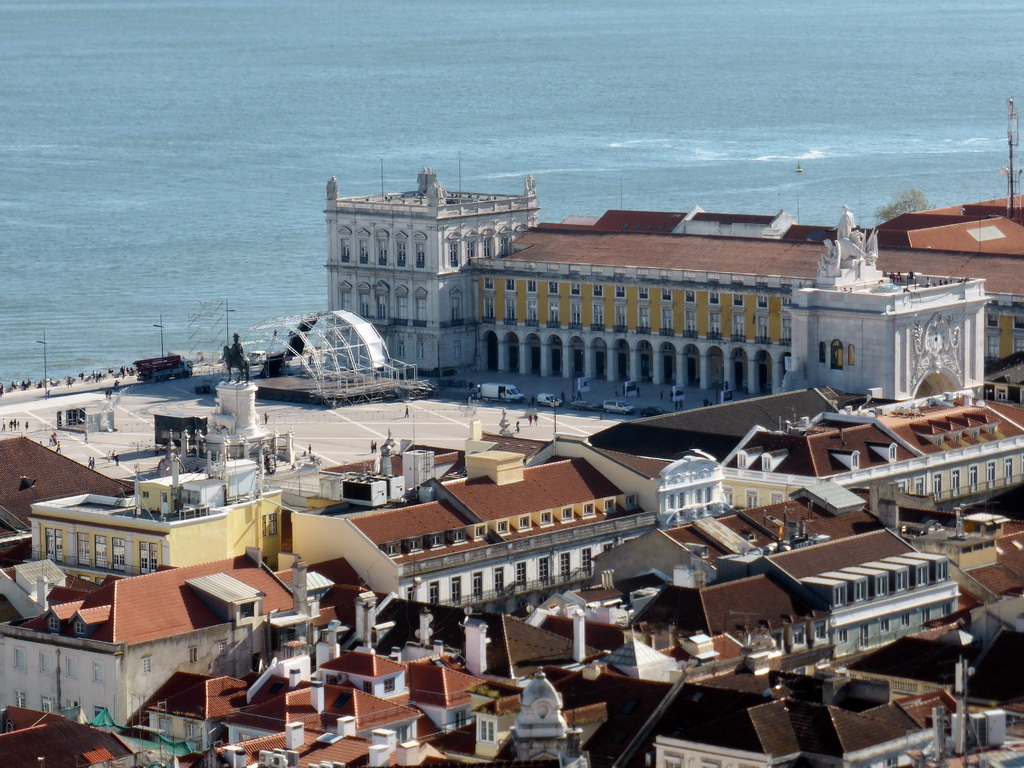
x: 161, y: 604
x: 547, y: 486
x: 834, y: 555
x: 404, y: 523
x: 437, y: 685
x: 49, y: 475
x: 59, y: 744
x: 364, y: 664
x: 351, y: 750
x: 199, y: 696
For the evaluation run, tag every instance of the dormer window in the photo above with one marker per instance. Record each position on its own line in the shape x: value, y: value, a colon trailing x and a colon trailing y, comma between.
x: 892, y: 452
x: 839, y: 595
x: 567, y: 513
x: 855, y: 460
x: 247, y: 610
x: 545, y: 518
x: 436, y: 540
x: 921, y: 576
x: 588, y: 510
x: 458, y: 535
x: 941, y: 570
x: 860, y: 590
x: 881, y: 586
x: 392, y: 548
x: 524, y: 522
x: 502, y: 526
x: 631, y: 501
x: 741, y: 460
x: 53, y: 624
x: 79, y: 627
x: 414, y: 545
x: 481, y: 531
x: 609, y: 505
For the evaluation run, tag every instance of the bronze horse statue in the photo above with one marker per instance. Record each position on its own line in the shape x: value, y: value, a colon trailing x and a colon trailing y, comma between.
x: 235, y: 357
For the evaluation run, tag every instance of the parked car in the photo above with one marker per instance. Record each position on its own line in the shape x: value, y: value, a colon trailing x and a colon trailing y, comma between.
x: 583, y: 405
x: 618, y: 406
x: 548, y: 399
x: 651, y: 410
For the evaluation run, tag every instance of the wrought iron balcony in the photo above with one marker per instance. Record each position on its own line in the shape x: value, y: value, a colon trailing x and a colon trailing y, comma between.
x: 597, y: 326
x: 666, y: 332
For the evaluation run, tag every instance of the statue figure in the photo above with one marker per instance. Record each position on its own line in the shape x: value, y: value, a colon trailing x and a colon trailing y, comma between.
x: 530, y: 186
x: 828, y: 264
x: 437, y: 194
x: 235, y: 357
x: 871, y: 249
x: 846, y: 225
x: 504, y: 428
x: 332, y: 188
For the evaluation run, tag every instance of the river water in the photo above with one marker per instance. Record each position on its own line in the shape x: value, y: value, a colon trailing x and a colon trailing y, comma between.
x: 159, y: 153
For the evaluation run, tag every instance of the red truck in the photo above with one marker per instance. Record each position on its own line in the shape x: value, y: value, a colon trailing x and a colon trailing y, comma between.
x: 163, y: 368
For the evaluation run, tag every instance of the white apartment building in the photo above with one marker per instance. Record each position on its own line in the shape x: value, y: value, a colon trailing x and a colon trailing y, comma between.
x: 401, y: 260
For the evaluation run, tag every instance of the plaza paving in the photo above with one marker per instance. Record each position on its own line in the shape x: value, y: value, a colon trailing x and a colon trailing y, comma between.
x: 334, y: 436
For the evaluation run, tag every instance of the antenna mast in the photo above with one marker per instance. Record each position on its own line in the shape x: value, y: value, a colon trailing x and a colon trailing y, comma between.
x: 1011, y: 171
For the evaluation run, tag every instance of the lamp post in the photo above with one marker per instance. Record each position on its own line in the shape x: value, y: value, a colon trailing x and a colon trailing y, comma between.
x: 227, y: 323
x: 161, y: 327
x: 46, y: 375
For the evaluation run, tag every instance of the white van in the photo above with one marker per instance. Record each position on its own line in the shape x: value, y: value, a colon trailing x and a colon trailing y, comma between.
x: 548, y: 399
x: 618, y: 406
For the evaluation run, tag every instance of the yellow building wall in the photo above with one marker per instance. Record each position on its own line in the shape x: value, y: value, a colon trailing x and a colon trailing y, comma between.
x: 775, y: 317
x: 1005, y: 335
x: 703, y: 311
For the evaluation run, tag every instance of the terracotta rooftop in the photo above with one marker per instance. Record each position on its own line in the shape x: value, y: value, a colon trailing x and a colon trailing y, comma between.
x: 438, y: 685
x: 351, y: 750
x: 834, y: 555
x: 30, y: 473
x: 547, y: 486
x: 364, y: 664
x: 59, y: 743
x: 161, y: 604
x: 198, y: 696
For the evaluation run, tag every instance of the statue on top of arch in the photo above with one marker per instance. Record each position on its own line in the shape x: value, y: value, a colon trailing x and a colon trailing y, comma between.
x: 851, y: 250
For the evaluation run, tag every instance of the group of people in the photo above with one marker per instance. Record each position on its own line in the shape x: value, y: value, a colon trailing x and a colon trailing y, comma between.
x: 13, y: 425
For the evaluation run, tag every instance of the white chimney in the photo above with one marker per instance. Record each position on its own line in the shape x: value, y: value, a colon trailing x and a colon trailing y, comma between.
x: 366, y: 617
x: 384, y: 736
x: 346, y: 726
x: 235, y: 756
x: 380, y: 756
x: 579, y: 636
x: 294, y: 677
x: 316, y: 696
x: 425, y: 631
x: 606, y: 579
x: 476, y: 646
x: 294, y: 736
x: 408, y: 753
x: 41, y: 593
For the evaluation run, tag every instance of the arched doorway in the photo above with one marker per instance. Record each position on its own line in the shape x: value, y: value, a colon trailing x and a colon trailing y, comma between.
x: 717, y: 367
x: 491, y: 350
x: 622, y: 360
x: 576, y: 349
x: 513, y: 351
x: 692, y: 356
x: 600, y: 358
x: 739, y: 368
x: 667, y: 353
x: 555, y: 344
x: 532, y: 350
x: 646, y: 357
x: 764, y: 371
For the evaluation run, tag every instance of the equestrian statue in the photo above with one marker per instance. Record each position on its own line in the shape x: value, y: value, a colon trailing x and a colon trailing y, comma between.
x: 235, y: 357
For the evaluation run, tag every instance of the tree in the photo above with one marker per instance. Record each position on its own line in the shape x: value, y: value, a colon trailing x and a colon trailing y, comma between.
x: 907, y: 201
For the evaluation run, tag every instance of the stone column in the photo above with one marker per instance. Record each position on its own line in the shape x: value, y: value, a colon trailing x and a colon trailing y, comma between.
x: 727, y: 370
x: 524, y: 358
x: 681, y: 367
x: 589, y: 361
x: 611, y: 362
x: 658, y: 374
x: 778, y: 379
x: 545, y: 358
x: 503, y: 355
x: 753, y: 381
x: 705, y: 369
x: 634, y: 363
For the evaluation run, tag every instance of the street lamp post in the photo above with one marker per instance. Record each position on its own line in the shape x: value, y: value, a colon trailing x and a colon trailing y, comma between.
x: 161, y: 327
x: 46, y: 375
x: 227, y: 323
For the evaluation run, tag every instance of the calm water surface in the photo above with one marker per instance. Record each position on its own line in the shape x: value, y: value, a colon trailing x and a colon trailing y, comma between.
x: 154, y: 154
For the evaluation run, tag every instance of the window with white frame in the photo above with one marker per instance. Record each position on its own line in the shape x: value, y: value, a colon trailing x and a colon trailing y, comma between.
x: 99, y: 674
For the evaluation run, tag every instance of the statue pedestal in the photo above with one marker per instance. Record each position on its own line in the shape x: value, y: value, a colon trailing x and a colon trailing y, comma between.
x: 237, y: 402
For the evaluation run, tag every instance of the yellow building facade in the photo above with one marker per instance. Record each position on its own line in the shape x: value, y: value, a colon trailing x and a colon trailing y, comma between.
x: 93, y: 537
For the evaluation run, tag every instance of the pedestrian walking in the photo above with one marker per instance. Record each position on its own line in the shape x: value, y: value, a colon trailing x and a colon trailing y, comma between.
x: 517, y: 431
x: 407, y: 411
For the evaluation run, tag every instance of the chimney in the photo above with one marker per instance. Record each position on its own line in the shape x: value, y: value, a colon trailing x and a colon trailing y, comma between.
x: 476, y: 430
x: 476, y: 646
x: 502, y: 467
x: 300, y: 604
x: 294, y: 736
x: 366, y: 617
x: 380, y: 756
x: 41, y: 594
x: 408, y: 753
x: 384, y: 736
x: 345, y: 726
x: 316, y: 696
x: 235, y: 756
x: 592, y: 671
x: 425, y: 631
x: 606, y: 579
x: 294, y: 677
x: 579, y: 636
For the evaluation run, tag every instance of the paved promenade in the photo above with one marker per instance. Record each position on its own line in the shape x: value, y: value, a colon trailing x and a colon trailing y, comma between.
x: 335, y: 436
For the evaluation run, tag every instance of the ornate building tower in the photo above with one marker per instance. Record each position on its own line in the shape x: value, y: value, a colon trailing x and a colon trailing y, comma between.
x: 859, y: 331
x: 540, y: 730
x: 401, y: 260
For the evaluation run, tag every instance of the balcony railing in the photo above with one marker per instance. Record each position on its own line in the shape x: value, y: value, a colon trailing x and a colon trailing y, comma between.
x: 786, y: 342
x: 576, y: 326
x: 739, y: 337
x: 716, y: 335
x: 643, y: 329
x: 690, y: 333
x: 532, y: 323
x: 509, y: 321
x: 666, y: 332
x: 763, y: 340
x: 620, y: 328
x: 488, y: 319
x: 419, y: 323
x: 88, y: 563
x: 454, y: 322
x: 399, y: 321
x: 597, y: 326
x: 554, y: 324
x: 522, y: 588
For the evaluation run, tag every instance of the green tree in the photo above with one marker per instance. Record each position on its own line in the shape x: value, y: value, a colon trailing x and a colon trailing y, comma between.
x: 907, y: 201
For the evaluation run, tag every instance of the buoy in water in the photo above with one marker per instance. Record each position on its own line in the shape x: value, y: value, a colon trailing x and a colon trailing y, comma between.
x: 799, y: 169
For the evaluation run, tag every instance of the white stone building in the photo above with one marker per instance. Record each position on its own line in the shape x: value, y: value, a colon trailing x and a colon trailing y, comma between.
x: 401, y: 260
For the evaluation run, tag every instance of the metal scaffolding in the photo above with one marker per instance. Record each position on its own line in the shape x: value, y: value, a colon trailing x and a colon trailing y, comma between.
x: 339, y: 352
